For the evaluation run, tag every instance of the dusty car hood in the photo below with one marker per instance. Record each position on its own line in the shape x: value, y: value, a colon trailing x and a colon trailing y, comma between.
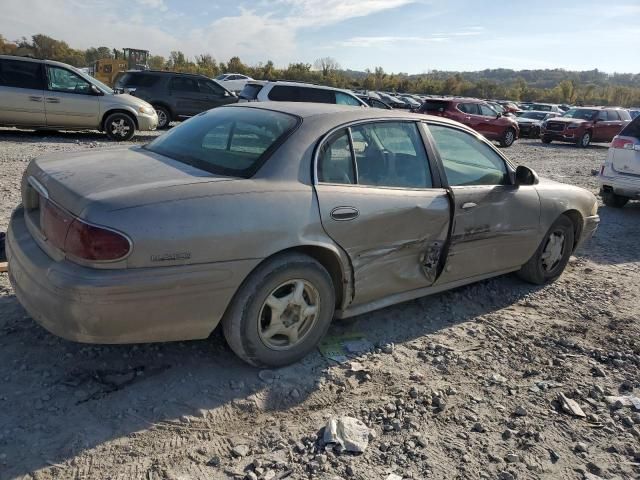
x: 73, y: 180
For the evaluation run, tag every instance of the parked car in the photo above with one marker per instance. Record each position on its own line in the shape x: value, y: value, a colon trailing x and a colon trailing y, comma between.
x: 509, y: 107
x: 530, y: 122
x: 280, y: 91
x: 373, y: 102
x: 545, y: 107
x: 392, y: 101
x: 233, y: 82
x: 274, y: 218
x: 43, y: 94
x: 174, y: 96
x: 585, y: 125
x: 475, y: 114
x: 620, y: 174
x: 410, y: 101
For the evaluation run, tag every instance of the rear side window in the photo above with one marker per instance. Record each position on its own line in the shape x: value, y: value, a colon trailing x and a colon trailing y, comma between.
x: 226, y: 141
x: 184, y: 84
x: 624, y: 115
x: 612, y: 116
x: 210, y: 87
x: 335, y: 163
x: 470, y: 108
x: 434, y: 106
x: 633, y: 129
x: 282, y: 93
x: 136, y: 80
x: 250, y: 91
x: 15, y: 73
x: 287, y: 93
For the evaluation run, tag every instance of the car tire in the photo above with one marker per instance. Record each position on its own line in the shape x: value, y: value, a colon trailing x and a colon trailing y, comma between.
x: 508, y: 137
x: 164, y: 117
x: 119, y: 127
x: 250, y: 324
x: 548, y: 263
x: 584, y: 140
x: 546, y: 139
x: 613, y: 200
x: 535, y: 133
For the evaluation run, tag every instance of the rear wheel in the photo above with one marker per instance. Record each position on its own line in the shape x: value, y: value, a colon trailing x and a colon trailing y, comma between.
x: 119, y: 127
x: 281, y: 311
x: 508, y: 138
x: 552, y: 256
x: 584, y: 140
x: 546, y: 139
x: 164, y: 117
x: 611, y: 199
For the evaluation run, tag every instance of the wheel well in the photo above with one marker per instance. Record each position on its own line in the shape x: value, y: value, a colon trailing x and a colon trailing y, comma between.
x: 165, y: 106
x: 577, y: 220
x: 126, y: 112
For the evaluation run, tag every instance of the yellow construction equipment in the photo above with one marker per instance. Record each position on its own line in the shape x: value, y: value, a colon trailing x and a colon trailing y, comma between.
x: 106, y: 69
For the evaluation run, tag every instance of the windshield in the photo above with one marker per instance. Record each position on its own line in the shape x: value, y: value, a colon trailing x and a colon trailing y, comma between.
x: 231, y: 141
x: 581, y: 113
x: 534, y: 115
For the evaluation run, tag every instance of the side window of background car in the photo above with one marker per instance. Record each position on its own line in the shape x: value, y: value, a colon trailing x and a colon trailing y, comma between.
x: 344, y: 99
x: 602, y: 115
x: 487, y: 111
x: 391, y: 154
x: 209, y: 87
x: 19, y: 74
x: 470, y: 108
x: 183, y: 84
x: 316, y: 95
x: 63, y: 80
x: 612, y: 116
x: 467, y: 160
x: 284, y: 93
x: 335, y: 162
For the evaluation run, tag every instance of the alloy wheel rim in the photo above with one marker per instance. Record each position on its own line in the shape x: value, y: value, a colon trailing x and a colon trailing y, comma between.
x: 120, y: 128
x: 553, y: 251
x: 585, y: 139
x: 288, y: 314
x: 509, y: 137
x: 162, y: 118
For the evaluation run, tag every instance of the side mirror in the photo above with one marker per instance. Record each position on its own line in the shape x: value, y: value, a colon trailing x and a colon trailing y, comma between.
x: 526, y: 176
x: 96, y: 91
x: 498, y: 115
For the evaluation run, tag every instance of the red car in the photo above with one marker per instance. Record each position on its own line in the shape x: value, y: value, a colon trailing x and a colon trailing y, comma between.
x: 475, y: 114
x: 585, y: 125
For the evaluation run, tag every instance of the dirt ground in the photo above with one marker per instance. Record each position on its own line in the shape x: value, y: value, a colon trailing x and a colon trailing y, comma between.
x: 462, y: 385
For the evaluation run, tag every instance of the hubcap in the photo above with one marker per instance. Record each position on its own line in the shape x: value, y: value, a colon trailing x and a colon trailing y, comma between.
x: 120, y: 128
x: 585, y: 139
x: 509, y: 137
x: 162, y: 118
x: 552, y: 253
x: 288, y: 314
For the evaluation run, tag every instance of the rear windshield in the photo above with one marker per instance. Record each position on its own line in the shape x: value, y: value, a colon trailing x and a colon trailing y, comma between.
x: 582, y: 113
x: 231, y: 141
x: 632, y: 130
x: 434, y: 106
x: 250, y: 91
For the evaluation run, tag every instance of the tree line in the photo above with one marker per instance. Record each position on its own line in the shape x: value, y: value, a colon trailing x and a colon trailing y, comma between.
x: 550, y: 85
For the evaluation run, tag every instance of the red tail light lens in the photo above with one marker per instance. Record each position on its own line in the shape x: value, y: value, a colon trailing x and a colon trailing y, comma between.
x: 90, y: 242
x: 623, y: 143
x: 54, y: 223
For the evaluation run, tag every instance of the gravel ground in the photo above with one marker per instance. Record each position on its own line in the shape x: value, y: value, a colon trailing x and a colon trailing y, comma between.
x: 464, y: 384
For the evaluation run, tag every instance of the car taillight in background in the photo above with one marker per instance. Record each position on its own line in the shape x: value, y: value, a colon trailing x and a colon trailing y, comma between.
x: 623, y: 143
x: 79, y: 239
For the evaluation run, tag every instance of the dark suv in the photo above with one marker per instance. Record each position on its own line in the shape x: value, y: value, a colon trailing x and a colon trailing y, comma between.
x: 174, y: 96
x: 585, y: 125
x: 476, y: 114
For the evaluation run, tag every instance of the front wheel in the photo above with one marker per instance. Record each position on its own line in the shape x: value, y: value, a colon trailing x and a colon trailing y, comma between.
x: 508, y: 138
x: 584, y: 140
x: 611, y: 199
x: 281, y: 312
x: 119, y: 127
x: 552, y: 256
x: 546, y: 139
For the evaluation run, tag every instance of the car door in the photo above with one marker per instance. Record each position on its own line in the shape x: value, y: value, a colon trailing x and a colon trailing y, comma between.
x: 496, y: 224
x: 470, y: 115
x: 185, y: 96
x: 601, y: 127
x: 213, y: 95
x: 615, y: 124
x: 69, y: 100
x: 488, y: 124
x: 381, y: 203
x: 21, y: 93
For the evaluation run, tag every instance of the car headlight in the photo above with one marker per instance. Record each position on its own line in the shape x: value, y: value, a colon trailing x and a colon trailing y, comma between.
x: 146, y: 110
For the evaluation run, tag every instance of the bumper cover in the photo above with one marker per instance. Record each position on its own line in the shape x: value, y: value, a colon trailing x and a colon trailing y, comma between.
x: 119, y: 306
x: 588, y: 229
x: 624, y: 185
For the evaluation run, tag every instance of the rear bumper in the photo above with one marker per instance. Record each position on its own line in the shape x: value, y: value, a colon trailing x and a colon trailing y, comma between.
x: 119, y: 306
x: 623, y: 185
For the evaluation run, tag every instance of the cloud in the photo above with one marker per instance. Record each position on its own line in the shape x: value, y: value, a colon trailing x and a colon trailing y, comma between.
x: 159, y: 4
x: 385, y: 41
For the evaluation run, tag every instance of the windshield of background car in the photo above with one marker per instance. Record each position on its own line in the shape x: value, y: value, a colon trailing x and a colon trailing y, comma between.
x: 581, y: 113
x: 534, y: 115
x: 226, y: 141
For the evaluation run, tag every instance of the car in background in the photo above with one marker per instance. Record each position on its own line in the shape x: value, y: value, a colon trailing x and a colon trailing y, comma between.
x: 174, y: 96
x: 545, y: 107
x: 476, y: 114
x: 509, y: 107
x: 410, y: 101
x: 270, y: 219
x: 233, y: 82
x: 583, y: 125
x: 634, y: 112
x: 530, y: 122
x: 392, y: 101
x: 281, y: 91
x: 48, y: 95
x: 373, y: 102
x: 620, y: 174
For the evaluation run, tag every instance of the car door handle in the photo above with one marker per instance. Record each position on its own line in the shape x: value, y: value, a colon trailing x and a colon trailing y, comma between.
x: 35, y: 99
x: 468, y: 205
x: 342, y: 214
x: 53, y: 100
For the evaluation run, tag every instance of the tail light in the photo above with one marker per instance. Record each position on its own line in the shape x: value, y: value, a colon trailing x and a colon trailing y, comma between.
x: 80, y: 239
x: 623, y: 143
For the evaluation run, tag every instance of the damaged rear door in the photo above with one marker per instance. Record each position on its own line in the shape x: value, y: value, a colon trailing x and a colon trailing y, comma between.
x: 380, y: 202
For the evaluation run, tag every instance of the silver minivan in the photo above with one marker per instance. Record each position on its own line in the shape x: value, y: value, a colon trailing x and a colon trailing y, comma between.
x: 44, y: 94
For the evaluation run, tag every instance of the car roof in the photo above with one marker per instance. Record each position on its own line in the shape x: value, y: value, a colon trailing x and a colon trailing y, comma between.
x: 297, y: 84
x: 166, y: 72
x: 35, y: 60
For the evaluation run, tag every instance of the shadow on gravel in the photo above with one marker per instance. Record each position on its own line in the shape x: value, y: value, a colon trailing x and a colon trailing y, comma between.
x: 61, y: 398
x: 559, y: 145
x: 35, y: 136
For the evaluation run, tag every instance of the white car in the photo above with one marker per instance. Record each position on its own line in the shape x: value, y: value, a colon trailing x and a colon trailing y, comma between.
x: 279, y: 91
x: 234, y: 82
x: 620, y: 175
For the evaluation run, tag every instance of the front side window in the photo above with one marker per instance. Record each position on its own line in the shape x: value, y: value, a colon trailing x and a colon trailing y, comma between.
x: 487, y: 111
x: 344, y: 99
x: 316, y: 95
x: 335, y: 163
x: 602, y: 115
x: 582, y: 113
x: 209, y: 87
x: 468, y: 160
x: 184, y: 84
x: 63, y: 80
x: 226, y: 141
x: 470, y: 108
x: 612, y: 116
x: 18, y: 74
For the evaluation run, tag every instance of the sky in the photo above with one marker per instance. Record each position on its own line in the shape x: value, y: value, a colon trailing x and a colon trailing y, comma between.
x: 412, y: 36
